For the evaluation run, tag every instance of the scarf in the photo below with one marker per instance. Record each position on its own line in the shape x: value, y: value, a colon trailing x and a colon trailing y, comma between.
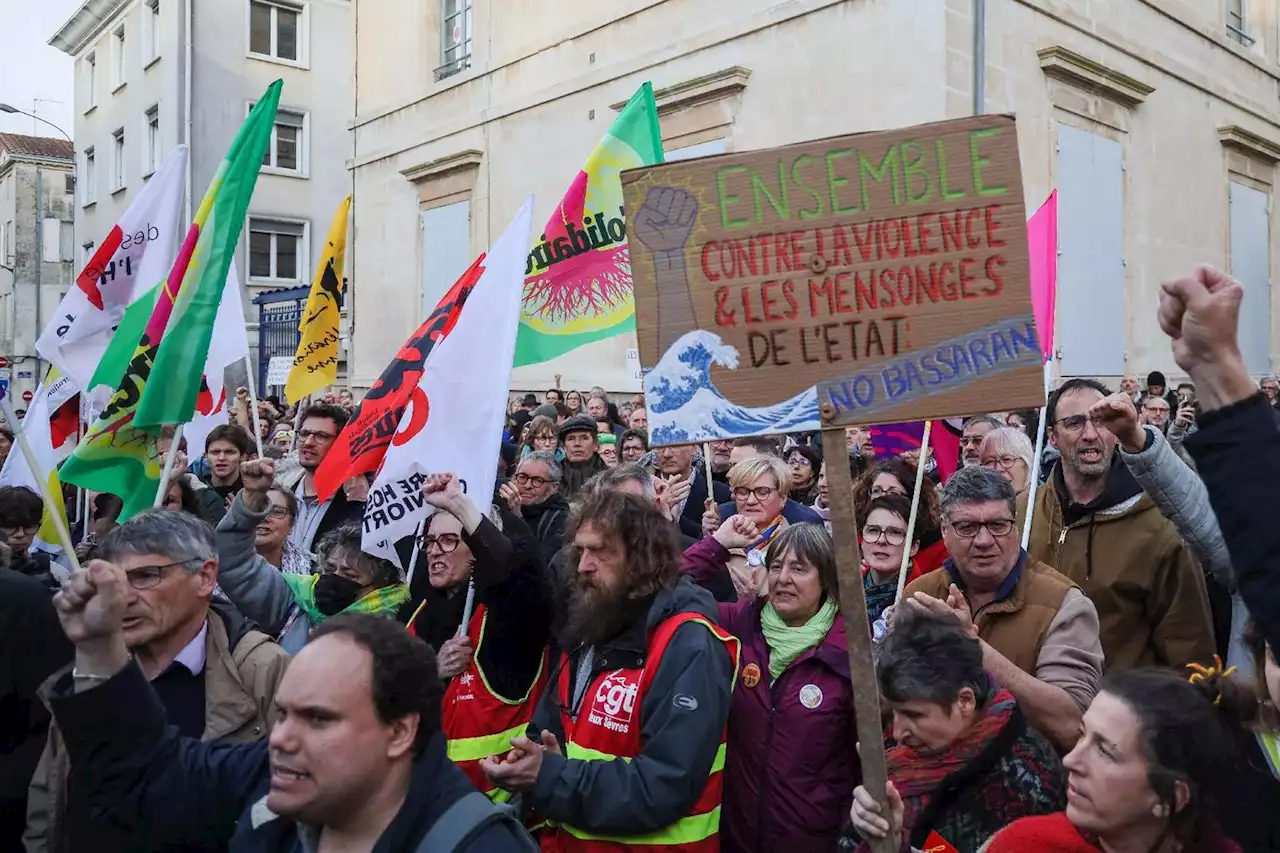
x: 919, y: 776
x: 295, y: 561
x: 786, y: 643
x: 384, y: 601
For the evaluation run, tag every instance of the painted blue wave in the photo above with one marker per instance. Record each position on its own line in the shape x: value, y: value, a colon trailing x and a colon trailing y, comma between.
x: 685, y: 406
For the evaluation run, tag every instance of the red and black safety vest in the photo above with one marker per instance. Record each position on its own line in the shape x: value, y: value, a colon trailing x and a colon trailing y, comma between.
x: 477, y: 721
x: 607, y: 728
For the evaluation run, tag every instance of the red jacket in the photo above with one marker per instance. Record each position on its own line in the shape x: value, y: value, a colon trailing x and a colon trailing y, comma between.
x: 791, y: 765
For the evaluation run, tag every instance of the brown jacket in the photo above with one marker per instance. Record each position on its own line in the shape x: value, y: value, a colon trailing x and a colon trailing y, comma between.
x: 1128, y: 558
x: 1015, y: 626
x: 240, y: 686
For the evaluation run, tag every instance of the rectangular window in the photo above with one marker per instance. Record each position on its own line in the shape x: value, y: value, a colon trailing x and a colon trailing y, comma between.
x: 86, y: 254
x: 1251, y: 264
x: 455, y: 37
x: 150, y: 31
x: 6, y: 244
x: 287, y: 151
x: 118, y: 78
x: 117, y: 160
x: 701, y: 149
x: 275, y: 30
x: 151, y: 142
x: 1091, y: 327
x: 89, y: 189
x: 446, y: 249
x: 276, y: 249
x: 1237, y: 22
x: 69, y: 184
x: 91, y: 81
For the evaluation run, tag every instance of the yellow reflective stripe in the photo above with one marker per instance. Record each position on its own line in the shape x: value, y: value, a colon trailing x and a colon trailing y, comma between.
x: 687, y: 830
x: 476, y: 748
x: 498, y: 795
x: 582, y: 753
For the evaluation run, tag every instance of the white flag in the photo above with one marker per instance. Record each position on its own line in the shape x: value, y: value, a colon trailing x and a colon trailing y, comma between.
x: 230, y: 343
x: 453, y: 422
x: 52, y: 436
x: 134, y: 257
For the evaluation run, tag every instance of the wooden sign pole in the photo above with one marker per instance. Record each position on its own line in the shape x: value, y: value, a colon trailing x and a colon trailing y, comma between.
x: 857, y: 628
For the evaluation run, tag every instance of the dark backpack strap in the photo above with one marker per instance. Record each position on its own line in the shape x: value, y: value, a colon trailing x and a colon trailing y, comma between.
x: 466, y: 819
x: 544, y: 523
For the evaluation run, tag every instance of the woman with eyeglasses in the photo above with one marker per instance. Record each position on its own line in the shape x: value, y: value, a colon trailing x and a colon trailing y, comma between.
x: 897, y: 476
x: 884, y: 539
x: 759, y: 487
x: 271, y: 536
x: 495, y: 664
x: 791, y: 763
x: 1009, y: 452
x: 541, y: 434
x: 804, y: 463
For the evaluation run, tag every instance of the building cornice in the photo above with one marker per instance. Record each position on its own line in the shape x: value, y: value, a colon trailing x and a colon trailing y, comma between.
x: 1092, y: 76
x: 699, y: 90
x: 469, y: 159
x: 1249, y: 143
x: 89, y: 20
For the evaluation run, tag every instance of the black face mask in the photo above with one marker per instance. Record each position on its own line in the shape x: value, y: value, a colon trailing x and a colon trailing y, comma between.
x: 334, y: 593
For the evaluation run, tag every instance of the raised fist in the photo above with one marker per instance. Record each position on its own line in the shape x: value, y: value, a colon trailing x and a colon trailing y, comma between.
x: 666, y: 219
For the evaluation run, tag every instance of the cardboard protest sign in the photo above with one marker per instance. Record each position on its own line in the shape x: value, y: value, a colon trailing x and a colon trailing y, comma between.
x: 881, y: 277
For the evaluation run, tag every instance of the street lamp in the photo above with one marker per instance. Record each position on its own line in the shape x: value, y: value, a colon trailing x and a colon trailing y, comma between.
x: 7, y: 108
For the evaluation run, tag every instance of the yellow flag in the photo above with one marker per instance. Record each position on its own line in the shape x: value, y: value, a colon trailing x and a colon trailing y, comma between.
x: 316, y: 363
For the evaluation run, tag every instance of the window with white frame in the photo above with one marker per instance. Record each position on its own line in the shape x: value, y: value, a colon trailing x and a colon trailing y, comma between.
x: 150, y: 31
x: 86, y: 254
x: 151, y: 140
x: 117, y: 160
x: 118, y: 77
x: 91, y: 81
x: 89, y: 183
x: 287, y: 151
x: 275, y: 30
x: 1237, y: 22
x: 277, y: 249
x: 455, y: 37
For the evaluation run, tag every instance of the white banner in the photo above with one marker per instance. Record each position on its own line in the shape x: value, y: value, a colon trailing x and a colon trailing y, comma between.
x: 453, y: 423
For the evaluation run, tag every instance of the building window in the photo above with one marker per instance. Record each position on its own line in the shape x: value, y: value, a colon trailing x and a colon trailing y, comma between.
x: 288, y: 149
x: 455, y: 37
x: 446, y: 249
x: 150, y: 31
x: 276, y: 249
x: 69, y: 184
x: 117, y: 160
x: 91, y: 81
x: 275, y: 30
x: 86, y: 254
x: 6, y: 244
x: 151, y: 141
x: 1237, y: 23
x: 1250, y: 229
x: 118, y: 78
x: 90, y: 182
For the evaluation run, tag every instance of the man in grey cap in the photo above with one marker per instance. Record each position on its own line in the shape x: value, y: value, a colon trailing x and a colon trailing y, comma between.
x: 581, y: 458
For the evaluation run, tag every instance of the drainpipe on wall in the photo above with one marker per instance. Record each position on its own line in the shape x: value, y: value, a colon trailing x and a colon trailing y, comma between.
x: 979, y: 56
x: 187, y: 65
x: 39, y: 266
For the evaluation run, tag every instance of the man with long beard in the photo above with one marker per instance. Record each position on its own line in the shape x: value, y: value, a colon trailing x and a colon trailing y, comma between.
x: 648, y: 679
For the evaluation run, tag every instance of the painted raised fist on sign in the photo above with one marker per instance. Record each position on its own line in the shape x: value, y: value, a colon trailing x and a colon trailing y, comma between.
x: 666, y: 219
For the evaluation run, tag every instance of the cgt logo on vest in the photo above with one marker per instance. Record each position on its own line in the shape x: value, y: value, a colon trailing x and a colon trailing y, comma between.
x: 615, y: 702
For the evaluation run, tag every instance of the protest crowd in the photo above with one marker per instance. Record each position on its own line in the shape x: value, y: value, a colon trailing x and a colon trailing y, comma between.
x: 508, y: 622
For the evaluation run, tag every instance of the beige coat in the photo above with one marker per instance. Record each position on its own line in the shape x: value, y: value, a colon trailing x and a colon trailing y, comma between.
x: 240, y: 685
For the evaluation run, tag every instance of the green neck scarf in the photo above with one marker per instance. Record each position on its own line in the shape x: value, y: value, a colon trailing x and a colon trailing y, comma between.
x: 384, y: 601
x: 786, y: 643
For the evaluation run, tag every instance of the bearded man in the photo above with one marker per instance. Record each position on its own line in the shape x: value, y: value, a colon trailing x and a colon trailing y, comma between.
x: 648, y: 678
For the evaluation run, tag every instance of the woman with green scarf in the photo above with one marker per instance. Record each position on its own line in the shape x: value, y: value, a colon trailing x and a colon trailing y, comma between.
x: 287, y: 606
x: 791, y: 765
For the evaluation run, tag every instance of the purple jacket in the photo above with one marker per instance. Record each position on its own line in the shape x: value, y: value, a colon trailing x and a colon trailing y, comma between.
x: 791, y: 766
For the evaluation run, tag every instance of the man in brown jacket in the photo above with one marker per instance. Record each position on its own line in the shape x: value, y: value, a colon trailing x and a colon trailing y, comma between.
x: 1039, y: 632
x: 215, y: 673
x: 1093, y: 523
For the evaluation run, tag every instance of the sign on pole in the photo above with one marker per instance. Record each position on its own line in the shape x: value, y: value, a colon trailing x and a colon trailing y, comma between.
x: 874, y: 278
x: 883, y: 275
x: 278, y: 369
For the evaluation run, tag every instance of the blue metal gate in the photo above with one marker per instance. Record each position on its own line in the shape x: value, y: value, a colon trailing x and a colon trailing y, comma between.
x: 278, y: 315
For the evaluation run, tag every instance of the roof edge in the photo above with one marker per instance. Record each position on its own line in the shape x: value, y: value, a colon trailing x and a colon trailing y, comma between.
x: 87, y: 22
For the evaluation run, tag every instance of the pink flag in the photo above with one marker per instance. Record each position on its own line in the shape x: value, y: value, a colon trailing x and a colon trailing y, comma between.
x: 1042, y: 244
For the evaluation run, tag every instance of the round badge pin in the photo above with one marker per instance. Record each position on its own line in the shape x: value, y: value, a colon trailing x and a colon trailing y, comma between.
x: 811, y: 696
x: 750, y: 675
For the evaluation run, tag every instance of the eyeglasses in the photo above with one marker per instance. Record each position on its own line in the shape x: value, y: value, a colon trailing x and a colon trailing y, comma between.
x: 969, y: 529
x: 146, y: 577
x: 881, y: 491
x: 800, y: 462
x: 10, y: 532
x: 1005, y: 462
x: 278, y: 512
x: 892, y: 535
x: 761, y: 493
x: 528, y: 480
x: 446, y: 542
x: 1075, y: 423
x: 318, y: 436
x: 1152, y: 410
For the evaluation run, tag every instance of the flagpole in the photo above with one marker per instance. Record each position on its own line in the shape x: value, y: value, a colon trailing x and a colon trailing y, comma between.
x: 1035, y: 461
x: 417, y: 549
x: 467, y: 608
x: 253, y: 404
x: 915, y: 509
x: 42, y: 478
x: 168, y: 464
